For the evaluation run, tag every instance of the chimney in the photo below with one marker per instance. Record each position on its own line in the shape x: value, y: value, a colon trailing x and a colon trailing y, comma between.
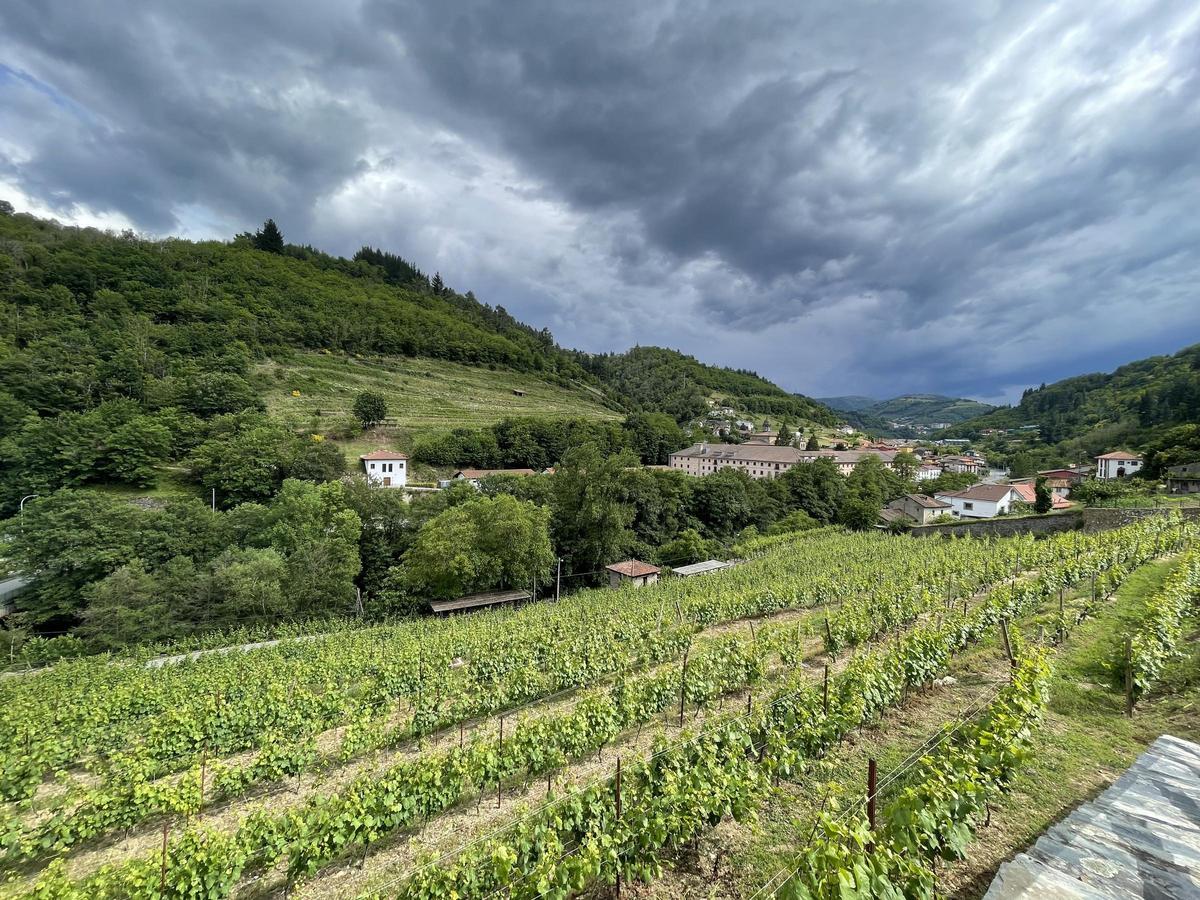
x: 703, y: 447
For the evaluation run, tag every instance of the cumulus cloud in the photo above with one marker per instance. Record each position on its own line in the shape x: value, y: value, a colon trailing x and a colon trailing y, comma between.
x: 847, y: 197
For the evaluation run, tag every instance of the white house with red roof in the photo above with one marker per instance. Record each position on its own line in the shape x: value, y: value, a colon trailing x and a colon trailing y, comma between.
x: 1118, y: 464
x: 385, y: 468
x: 980, y: 501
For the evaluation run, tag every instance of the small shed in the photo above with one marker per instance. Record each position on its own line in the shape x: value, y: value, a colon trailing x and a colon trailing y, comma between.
x: 700, y: 568
x: 632, y: 571
x: 9, y: 588
x: 518, y: 392
x: 478, y: 601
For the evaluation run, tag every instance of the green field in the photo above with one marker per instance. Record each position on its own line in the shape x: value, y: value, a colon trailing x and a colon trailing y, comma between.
x: 421, y: 393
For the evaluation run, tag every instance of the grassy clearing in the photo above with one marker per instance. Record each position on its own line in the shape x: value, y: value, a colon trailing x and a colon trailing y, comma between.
x: 421, y: 393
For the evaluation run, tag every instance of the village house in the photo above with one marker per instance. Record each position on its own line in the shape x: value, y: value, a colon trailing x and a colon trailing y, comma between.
x: 928, y: 472
x: 980, y: 501
x: 1027, y: 493
x: 385, y: 468
x: 974, y: 465
x: 1184, y: 479
x: 1117, y: 464
x: 1060, y: 481
x: 476, y: 475
x: 632, y: 571
x: 921, y: 508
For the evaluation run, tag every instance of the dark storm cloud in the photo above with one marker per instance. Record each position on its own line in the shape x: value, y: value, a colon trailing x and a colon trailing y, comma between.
x: 847, y: 197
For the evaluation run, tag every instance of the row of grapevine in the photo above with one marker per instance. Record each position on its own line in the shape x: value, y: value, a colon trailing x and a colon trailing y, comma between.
x: 689, y: 786
x: 938, y: 805
x: 91, y: 712
x: 272, y: 699
x: 1156, y: 641
x: 437, y: 782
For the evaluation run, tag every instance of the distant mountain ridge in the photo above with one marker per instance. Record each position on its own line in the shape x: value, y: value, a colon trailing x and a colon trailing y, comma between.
x: 921, y: 411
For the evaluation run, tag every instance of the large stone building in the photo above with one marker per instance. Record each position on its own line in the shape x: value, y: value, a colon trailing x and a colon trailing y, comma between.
x: 763, y: 460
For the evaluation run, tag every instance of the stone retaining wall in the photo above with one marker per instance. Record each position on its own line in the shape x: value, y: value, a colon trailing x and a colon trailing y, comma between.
x: 1053, y: 523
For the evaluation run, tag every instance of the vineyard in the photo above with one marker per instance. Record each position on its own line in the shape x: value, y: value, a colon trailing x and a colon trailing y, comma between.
x: 566, y: 747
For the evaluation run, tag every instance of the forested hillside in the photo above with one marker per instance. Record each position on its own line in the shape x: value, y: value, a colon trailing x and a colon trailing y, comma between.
x: 681, y: 386
x: 1152, y: 404
x: 178, y: 417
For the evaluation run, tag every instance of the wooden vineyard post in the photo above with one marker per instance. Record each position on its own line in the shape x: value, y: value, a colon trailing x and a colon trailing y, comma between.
x: 1093, y: 589
x: 618, y: 793
x: 499, y: 754
x: 871, y: 774
x: 1007, y: 645
x: 1129, y: 677
x: 203, y: 773
x: 460, y: 735
x: 825, y: 691
x: 682, y: 685
x: 829, y: 638
x: 162, y: 880
x: 558, y: 580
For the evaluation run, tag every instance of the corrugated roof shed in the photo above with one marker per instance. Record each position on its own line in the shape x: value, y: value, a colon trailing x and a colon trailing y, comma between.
x: 475, y: 601
x: 709, y: 565
x: 1139, y: 839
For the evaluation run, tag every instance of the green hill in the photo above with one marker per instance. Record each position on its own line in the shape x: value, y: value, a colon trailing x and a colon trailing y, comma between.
x: 907, y: 415
x: 1160, y: 390
x: 927, y: 409
x: 126, y: 361
x: 848, y: 403
x: 1142, y: 405
x: 682, y: 386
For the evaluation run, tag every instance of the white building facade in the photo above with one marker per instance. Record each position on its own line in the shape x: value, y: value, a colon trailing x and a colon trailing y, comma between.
x: 981, y: 501
x: 385, y: 468
x: 1117, y: 464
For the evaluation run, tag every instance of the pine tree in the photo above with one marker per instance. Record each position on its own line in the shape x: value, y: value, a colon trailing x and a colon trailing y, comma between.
x: 813, y: 443
x: 269, y: 238
x: 437, y: 285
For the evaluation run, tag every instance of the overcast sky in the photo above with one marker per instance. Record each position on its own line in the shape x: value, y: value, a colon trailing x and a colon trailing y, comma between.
x: 848, y: 197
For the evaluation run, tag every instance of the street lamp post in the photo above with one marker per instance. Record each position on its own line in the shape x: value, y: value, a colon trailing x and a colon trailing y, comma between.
x: 21, y: 507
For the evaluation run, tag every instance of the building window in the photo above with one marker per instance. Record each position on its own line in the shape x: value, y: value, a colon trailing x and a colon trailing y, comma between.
x: 968, y: 506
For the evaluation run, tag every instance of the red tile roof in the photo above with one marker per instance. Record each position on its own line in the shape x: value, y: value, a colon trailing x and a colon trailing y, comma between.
x: 487, y: 473
x: 383, y: 454
x: 992, y: 493
x: 633, y: 568
x: 1027, y: 493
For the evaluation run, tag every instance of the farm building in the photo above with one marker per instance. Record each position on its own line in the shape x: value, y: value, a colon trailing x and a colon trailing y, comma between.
x: 385, y: 468
x: 1117, y: 464
x: 921, y: 508
x: 478, y: 601
x: 700, y: 568
x: 632, y: 571
x: 1184, y: 479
